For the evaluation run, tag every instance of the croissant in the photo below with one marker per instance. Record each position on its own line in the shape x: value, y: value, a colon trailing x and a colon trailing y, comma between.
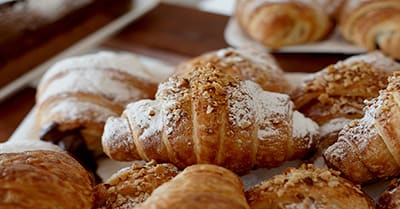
x: 367, y: 149
x: 77, y: 95
x: 372, y: 24
x: 197, y: 187
x: 131, y: 186
x: 245, y: 63
x: 390, y: 197
x: 335, y: 95
x: 42, y: 179
x: 282, y: 23
x: 207, y: 116
x: 308, y: 187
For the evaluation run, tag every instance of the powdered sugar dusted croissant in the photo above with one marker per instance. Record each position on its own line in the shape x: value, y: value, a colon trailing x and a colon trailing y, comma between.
x: 207, y: 116
x: 79, y: 93
x: 282, y: 23
x: 245, y: 63
x: 372, y: 24
x: 42, y: 177
x: 368, y: 148
x: 308, y: 187
x: 335, y: 95
x: 130, y: 186
x: 197, y: 187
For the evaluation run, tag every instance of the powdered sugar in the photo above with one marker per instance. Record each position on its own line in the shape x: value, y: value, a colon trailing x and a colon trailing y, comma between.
x: 92, y: 81
x: 73, y: 109
x: 115, y: 129
x: 303, y: 126
x: 147, y: 115
x: 102, y: 60
x: 333, y: 125
x: 269, y: 109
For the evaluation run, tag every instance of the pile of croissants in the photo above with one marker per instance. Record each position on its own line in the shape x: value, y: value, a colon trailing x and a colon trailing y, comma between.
x: 370, y: 24
x: 193, y: 134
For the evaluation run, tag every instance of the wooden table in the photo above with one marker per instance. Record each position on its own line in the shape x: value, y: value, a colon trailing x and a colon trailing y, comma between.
x: 172, y: 34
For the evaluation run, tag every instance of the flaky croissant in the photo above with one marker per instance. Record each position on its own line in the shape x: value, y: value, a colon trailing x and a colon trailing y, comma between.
x: 308, y: 187
x: 372, y: 24
x: 78, y: 94
x: 197, y: 187
x: 282, y: 23
x: 42, y: 179
x: 335, y: 95
x: 131, y: 186
x: 368, y: 148
x: 207, y: 116
x: 246, y: 64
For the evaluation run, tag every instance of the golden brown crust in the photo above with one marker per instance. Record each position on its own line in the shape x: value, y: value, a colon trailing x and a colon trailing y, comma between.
x: 133, y: 185
x: 390, y: 197
x: 278, y: 24
x: 372, y: 24
x: 371, y: 142
x: 335, y: 95
x: 207, y: 116
x: 199, y: 186
x: 244, y: 63
x: 307, y: 187
x: 43, y: 179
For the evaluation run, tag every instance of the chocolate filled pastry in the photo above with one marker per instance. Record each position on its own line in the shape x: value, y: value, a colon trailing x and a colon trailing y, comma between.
x: 42, y: 176
x: 197, y: 187
x: 335, y: 95
x: 368, y: 149
x: 389, y: 199
x: 77, y: 95
x: 131, y: 186
x: 246, y: 64
x: 207, y: 116
x: 308, y: 187
x: 277, y: 24
x: 372, y: 24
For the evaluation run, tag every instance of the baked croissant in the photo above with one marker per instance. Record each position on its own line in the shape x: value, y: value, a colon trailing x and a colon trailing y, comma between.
x: 207, y: 116
x: 372, y: 24
x: 77, y: 95
x: 308, y: 187
x: 247, y: 64
x: 390, y: 197
x: 42, y: 179
x: 131, y: 186
x: 368, y: 148
x: 282, y: 23
x: 197, y: 187
x: 335, y: 95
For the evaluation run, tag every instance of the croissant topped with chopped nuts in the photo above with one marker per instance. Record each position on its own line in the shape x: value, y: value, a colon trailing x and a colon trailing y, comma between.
x: 207, y: 116
x: 368, y: 149
x: 308, y: 187
x: 335, y: 95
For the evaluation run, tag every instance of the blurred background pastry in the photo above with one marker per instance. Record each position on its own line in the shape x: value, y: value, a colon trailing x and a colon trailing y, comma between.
x: 33, y: 31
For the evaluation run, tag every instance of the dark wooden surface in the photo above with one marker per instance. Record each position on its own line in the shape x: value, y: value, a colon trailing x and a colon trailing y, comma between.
x: 172, y: 34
